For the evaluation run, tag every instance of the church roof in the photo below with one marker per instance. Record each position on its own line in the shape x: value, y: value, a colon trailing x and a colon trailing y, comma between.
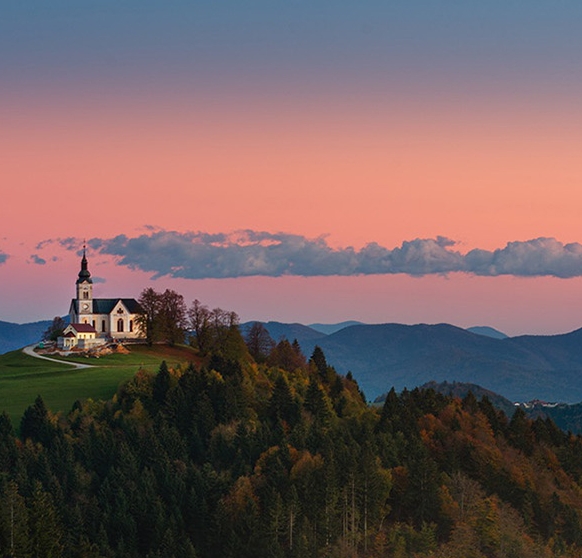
x: 106, y: 305
x: 83, y: 328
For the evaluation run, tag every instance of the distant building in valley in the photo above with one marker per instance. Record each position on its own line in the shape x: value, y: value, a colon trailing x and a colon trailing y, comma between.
x: 94, y: 321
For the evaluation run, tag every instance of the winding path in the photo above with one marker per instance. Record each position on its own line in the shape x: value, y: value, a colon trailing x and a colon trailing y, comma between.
x: 30, y: 352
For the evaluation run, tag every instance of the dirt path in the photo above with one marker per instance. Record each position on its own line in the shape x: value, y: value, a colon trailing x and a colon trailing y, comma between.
x: 30, y: 352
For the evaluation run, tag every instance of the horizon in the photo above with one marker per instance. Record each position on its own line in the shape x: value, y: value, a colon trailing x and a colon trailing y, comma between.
x: 297, y: 162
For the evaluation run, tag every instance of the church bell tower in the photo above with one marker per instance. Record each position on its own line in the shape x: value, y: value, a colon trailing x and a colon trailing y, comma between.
x: 84, y: 288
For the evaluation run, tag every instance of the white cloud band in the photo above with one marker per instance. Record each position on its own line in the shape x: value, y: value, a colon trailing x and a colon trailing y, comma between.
x: 199, y: 255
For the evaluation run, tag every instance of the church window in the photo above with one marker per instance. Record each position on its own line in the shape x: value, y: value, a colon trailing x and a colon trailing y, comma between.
x: 102, y: 325
x: 85, y: 294
x: 120, y: 325
x: 93, y: 323
x: 130, y: 325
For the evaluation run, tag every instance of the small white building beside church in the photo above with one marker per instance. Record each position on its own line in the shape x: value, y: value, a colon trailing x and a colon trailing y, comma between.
x: 82, y: 336
x: 95, y: 321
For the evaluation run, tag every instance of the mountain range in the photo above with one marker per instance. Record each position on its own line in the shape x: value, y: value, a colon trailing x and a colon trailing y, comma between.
x: 382, y: 356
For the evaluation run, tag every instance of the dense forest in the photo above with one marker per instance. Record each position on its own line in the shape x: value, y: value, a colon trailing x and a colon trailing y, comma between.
x: 255, y: 451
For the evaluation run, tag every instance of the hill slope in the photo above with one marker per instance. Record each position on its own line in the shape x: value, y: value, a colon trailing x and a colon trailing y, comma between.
x: 236, y: 459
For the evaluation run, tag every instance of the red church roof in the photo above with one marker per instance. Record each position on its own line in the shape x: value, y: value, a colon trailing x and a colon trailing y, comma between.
x: 84, y: 328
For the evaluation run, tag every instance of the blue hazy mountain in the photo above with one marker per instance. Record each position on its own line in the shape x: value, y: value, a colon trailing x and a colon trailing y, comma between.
x: 305, y: 335
x: 487, y: 331
x: 394, y: 355
x: 328, y: 329
x: 14, y: 336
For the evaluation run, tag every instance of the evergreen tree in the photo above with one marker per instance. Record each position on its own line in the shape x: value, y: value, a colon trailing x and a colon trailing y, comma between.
x: 161, y: 384
x: 35, y: 422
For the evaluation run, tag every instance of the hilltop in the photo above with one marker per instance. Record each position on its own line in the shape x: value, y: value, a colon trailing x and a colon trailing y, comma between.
x: 23, y: 378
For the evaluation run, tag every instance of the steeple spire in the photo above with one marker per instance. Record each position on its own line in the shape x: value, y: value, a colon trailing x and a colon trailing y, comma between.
x: 84, y: 274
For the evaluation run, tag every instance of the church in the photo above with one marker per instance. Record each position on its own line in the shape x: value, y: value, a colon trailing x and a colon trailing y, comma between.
x: 94, y: 321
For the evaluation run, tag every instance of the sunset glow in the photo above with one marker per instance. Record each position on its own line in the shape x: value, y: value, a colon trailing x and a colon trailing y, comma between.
x: 359, y: 140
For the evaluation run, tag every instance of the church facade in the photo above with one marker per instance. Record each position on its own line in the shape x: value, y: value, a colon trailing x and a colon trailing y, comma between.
x: 110, y: 318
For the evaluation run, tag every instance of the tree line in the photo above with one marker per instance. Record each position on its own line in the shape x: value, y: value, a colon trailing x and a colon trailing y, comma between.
x: 165, y: 317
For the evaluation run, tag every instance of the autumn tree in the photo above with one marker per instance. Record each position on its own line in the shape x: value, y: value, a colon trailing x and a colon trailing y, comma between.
x: 287, y: 356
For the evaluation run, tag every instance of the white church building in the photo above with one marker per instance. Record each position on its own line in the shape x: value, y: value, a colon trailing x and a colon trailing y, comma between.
x: 94, y: 321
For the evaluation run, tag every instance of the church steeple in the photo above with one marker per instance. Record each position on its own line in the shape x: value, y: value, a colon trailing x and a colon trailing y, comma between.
x: 84, y: 274
x: 84, y: 287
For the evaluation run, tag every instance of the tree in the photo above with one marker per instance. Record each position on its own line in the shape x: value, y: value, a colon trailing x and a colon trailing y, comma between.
x: 259, y: 342
x: 199, y: 324
x: 35, y: 422
x: 285, y: 356
x: 162, y: 316
x: 148, y: 318
x: 45, y: 528
x: 13, y: 521
x: 215, y: 331
x: 172, y: 317
x: 318, y: 359
x: 55, y: 330
x: 162, y: 383
x: 326, y: 373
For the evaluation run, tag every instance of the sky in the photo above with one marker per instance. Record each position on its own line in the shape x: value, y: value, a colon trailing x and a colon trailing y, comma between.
x: 298, y: 161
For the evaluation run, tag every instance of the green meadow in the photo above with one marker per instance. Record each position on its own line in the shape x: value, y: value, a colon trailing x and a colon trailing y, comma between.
x: 23, y: 378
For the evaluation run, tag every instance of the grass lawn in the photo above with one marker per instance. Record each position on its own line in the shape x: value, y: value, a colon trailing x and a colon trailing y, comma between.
x: 23, y: 377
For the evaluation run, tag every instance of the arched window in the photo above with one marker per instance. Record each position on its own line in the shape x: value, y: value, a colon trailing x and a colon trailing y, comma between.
x: 130, y: 325
x: 93, y: 323
x: 120, y: 325
x: 86, y: 294
x: 102, y: 325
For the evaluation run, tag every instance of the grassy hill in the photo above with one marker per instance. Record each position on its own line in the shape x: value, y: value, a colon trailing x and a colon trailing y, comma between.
x: 23, y: 378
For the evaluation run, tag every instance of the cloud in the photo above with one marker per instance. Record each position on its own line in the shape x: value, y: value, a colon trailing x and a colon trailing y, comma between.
x: 201, y: 255
x: 532, y: 258
x: 3, y: 257
x: 36, y: 259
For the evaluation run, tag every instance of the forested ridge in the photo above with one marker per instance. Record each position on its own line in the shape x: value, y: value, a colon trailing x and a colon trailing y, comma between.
x: 271, y: 455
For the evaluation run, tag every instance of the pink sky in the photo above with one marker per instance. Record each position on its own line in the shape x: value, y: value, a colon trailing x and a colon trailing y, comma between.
x: 480, y: 172
x: 373, y: 122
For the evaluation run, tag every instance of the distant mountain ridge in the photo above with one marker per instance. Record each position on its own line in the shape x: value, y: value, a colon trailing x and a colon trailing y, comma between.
x: 381, y: 356
x: 488, y: 332
x: 14, y: 336
x: 328, y: 329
